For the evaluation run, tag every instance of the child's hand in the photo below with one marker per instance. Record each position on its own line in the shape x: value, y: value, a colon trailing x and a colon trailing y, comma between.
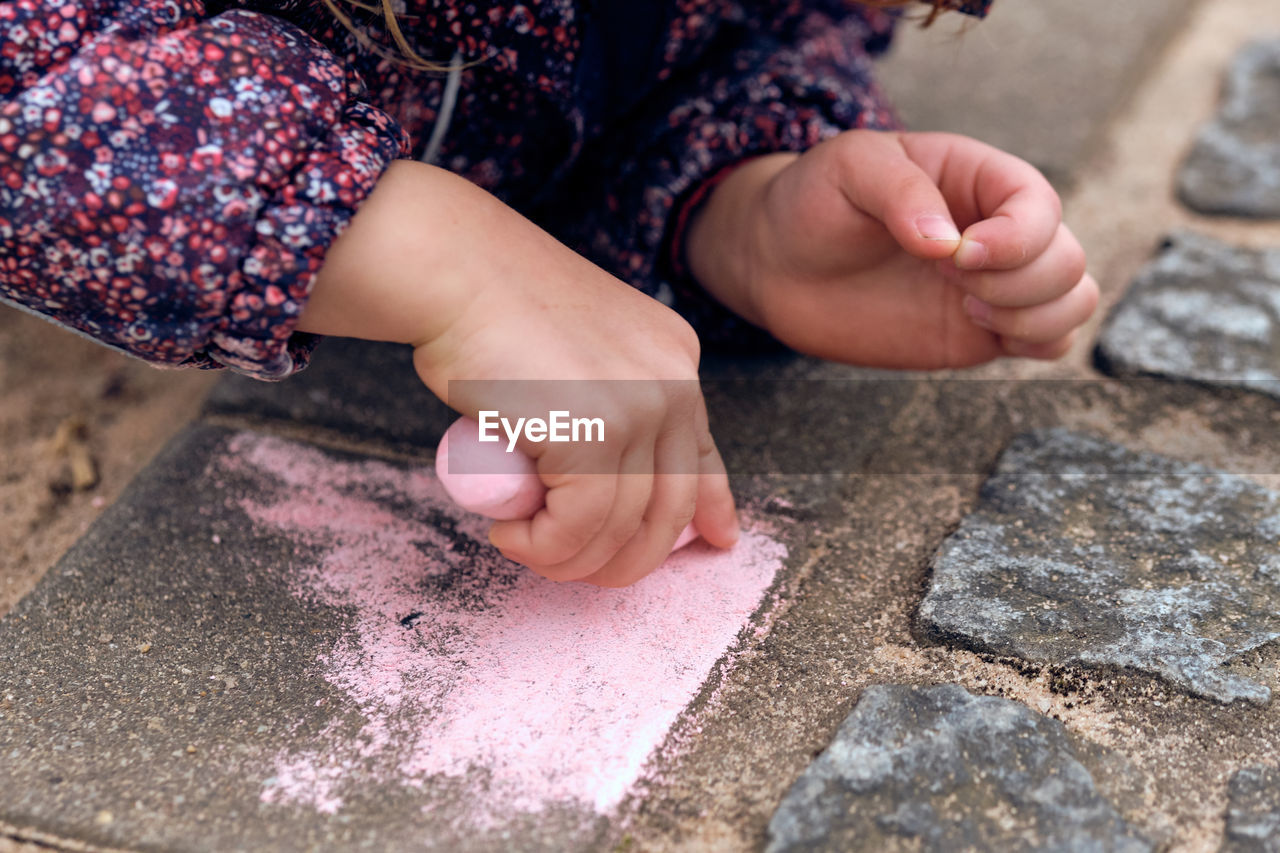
x: 546, y: 313
x: 851, y: 252
x: 486, y: 295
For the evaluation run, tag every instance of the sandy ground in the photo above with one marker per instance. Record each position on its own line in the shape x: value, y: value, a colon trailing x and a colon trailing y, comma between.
x: 78, y: 422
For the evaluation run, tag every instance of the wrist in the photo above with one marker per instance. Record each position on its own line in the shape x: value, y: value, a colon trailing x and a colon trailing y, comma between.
x: 724, y: 239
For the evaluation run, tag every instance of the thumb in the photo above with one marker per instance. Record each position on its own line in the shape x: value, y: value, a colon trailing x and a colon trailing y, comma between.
x: 878, y: 177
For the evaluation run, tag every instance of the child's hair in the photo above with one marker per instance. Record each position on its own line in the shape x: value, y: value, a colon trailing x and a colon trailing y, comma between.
x: 408, y: 56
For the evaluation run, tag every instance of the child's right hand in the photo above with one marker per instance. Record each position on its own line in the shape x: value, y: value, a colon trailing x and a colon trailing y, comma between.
x: 481, y: 293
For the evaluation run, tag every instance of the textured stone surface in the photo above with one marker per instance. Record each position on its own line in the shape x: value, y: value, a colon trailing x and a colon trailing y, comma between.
x: 1200, y: 310
x: 1234, y: 167
x: 272, y: 647
x: 1253, y: 811
x: 939, y: 769
x: 1082, y: 552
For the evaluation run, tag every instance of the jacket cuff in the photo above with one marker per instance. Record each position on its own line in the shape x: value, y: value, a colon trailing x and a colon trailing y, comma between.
x: 685, y: 212
x: 256, y: 335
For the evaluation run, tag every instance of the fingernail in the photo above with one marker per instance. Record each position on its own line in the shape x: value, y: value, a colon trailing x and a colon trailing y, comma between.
x: 979, y: 312
x: 936, y: 228
x: 971, y: 255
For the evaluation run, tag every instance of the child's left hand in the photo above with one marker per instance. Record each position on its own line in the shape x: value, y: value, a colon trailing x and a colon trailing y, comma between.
x: 851, y: 252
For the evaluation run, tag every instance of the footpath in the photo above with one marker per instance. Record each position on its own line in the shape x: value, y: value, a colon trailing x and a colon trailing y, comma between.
x: 1025, y: 607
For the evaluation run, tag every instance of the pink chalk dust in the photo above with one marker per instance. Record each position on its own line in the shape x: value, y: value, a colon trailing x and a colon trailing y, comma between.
x: 465, y: 667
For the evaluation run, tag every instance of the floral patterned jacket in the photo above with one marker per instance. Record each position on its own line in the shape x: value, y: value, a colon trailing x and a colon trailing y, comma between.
x: 172, y: 171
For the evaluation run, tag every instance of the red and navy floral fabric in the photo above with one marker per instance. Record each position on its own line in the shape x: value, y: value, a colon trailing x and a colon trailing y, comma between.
x: 173, y: 171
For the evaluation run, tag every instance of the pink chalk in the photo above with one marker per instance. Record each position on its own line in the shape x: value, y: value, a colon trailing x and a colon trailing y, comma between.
x: 508, y: 489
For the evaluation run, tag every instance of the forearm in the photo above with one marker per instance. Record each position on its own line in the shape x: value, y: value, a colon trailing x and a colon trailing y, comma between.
x: 403, y: 270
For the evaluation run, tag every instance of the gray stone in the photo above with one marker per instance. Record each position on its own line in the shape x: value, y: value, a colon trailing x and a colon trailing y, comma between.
x: 1234, y: 168
x: 939, y: 769
x: 1253, y: 811
x: 1203, y: 311
x: 1084, y: 553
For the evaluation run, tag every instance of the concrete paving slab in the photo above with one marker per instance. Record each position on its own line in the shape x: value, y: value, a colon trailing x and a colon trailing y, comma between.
x: 268, y: 646
x: 1201, y: 310
x: 856, y: 546
x: 1040, y: 80
x: 1234, y: 168
x: 940, y: 769
x: 1084, y: 553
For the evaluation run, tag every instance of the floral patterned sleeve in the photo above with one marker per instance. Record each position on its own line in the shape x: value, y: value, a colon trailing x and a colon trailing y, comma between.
x: 779, y: 80
x: 169, y: 181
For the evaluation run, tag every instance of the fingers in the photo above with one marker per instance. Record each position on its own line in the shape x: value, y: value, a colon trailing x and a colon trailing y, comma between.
x: 678, y: 498
x: 1020, y: 229
x: 1048, y: 352
x: 691, y: 485
x: 878, y: 177
x: 1046, y: 277
x: 670, y: 509
x: 1022, y: 269
x: 1011, y: 211
x: 643, y: 513
x: 1040, y: 330
x: 715, y: 516
x: 583, y: 508
x: 920, y: 185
